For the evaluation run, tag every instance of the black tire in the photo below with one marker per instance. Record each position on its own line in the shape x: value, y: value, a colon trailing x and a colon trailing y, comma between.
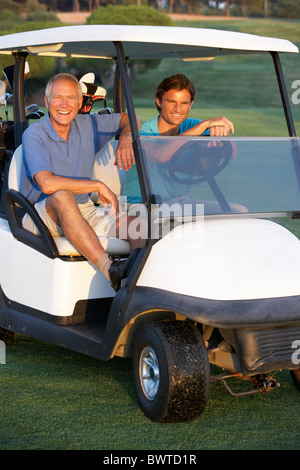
x: 174, y: 357
x: 6, y: 335
x: 296, y: 377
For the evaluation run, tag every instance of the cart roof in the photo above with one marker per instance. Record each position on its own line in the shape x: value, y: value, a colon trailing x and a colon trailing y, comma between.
x: 139, y: 42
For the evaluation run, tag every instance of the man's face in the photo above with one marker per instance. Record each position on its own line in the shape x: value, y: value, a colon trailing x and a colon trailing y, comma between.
x: 63, y: 103
x: 175, y: 106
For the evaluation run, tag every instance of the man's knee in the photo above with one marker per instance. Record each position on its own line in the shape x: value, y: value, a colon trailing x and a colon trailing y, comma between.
x: 60, y: 197
x: 58, y: 204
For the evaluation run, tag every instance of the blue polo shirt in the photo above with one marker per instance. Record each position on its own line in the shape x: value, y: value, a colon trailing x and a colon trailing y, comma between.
x: 45, y: 150
x: 131, y: 187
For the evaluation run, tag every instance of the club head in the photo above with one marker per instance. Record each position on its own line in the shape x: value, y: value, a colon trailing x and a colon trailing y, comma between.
x: 4, y: 99
x: 86, y: 77
x: 32, y: 116
x: 105, y: 111
x: 32, y: 108
x: 35, y: 114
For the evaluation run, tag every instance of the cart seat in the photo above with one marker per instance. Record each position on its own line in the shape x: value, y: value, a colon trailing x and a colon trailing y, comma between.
x: 104, y: 170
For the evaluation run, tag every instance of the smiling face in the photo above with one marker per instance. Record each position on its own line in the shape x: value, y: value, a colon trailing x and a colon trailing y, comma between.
x: 174, y: 108
x: 63, y: 103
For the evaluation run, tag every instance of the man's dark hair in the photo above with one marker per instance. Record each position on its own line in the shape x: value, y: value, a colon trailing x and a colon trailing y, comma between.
x: 176, y: 82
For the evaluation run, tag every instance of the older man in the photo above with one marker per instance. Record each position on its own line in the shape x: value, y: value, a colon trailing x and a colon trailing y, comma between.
x: 59, y: 153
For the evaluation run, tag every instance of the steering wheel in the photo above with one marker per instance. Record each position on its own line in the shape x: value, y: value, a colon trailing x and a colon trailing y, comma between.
x: 199, y: 160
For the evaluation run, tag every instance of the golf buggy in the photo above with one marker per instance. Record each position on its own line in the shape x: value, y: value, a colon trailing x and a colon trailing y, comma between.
x: 218, y: 281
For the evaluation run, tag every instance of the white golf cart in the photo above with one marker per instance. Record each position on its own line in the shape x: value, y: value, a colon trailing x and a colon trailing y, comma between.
x: 218, y: 281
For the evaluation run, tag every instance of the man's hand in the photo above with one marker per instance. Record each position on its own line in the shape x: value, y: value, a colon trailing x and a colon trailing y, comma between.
x: 108, y: 197
x: 220, y: 127
x: 124, y: 153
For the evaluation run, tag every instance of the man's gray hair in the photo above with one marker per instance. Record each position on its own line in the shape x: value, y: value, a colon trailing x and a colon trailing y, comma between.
x: 62, y: 76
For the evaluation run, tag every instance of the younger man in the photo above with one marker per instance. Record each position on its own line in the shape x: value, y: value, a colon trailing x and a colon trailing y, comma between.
x: 174, y: 98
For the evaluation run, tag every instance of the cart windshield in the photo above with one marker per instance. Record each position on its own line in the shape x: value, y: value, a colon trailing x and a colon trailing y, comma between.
x: 232, y: 175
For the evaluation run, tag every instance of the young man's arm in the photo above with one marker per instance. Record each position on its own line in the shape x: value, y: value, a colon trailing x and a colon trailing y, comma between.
x: 164, y: 151
x: 218, y: 127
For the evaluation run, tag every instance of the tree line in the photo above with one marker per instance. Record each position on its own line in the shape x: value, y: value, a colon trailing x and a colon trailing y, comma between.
x: 263, y: 8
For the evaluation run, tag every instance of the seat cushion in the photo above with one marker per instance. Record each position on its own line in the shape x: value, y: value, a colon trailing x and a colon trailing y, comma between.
x: 113, y: 246
x: 106, y: 171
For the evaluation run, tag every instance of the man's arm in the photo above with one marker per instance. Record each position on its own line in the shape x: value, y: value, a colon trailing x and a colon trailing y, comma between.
x: 163, y: 152
x: 218, y: 127
x: 124, y: 153
x: 50, y: 183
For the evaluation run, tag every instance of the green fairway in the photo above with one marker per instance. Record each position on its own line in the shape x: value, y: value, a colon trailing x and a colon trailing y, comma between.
x: 246, y: 122
x: 52, y: 398
x: 276, y: 28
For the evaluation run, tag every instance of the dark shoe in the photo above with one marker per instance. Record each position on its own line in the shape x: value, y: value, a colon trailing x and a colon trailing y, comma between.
x: 119, y: 269
x: 116, y: 272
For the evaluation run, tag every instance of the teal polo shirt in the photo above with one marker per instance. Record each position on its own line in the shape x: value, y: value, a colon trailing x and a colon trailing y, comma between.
x: 131, y: 187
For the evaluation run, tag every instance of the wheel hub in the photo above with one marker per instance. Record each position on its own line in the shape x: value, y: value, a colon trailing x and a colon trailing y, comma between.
x: 149, y: 373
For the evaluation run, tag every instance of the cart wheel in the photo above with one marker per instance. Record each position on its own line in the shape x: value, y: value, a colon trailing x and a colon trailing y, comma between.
x: 171, y: 372
x: 6, y: 335
x: 296, y: 377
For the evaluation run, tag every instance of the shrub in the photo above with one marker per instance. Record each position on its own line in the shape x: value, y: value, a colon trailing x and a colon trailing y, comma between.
x: 9, y: 19
x: 49, y: 66
x: 142, y: 15
x: 287, y: 9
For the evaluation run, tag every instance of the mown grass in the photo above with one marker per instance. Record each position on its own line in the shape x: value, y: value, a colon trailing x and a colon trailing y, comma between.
x: 52, y: 398
x: 246, y: 122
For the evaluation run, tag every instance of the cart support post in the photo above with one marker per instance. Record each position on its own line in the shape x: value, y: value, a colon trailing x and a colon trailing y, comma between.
x: 140, y: 164
x: 18, y: 91
x: 284, y: 94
